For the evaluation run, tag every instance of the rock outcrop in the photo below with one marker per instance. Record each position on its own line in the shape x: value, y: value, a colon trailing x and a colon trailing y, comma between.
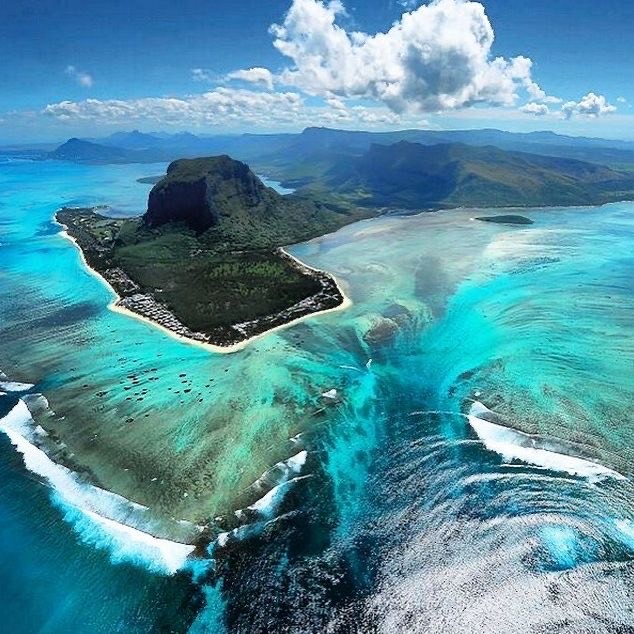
x: 200, y: 192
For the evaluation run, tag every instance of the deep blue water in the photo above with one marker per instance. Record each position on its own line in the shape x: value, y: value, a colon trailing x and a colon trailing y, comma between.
x: 403, y: 514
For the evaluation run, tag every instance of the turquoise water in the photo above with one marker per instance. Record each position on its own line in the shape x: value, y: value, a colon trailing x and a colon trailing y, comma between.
x: 389, y: 509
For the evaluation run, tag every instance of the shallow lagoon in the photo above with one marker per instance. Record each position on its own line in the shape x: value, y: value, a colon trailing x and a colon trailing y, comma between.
x: 534, y: 321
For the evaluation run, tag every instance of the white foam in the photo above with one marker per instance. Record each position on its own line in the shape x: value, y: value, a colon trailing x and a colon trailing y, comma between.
x: 284, y: 468
x: 127, y: 544
x: 222, y: 539
x: 268, y: 504
x: 516, y: 445
x: 241, y: 533
x: 14, y: 386
x: 36, y: 403
x: 296, y: 462
x: 88, y: 507
x: 626, y: 528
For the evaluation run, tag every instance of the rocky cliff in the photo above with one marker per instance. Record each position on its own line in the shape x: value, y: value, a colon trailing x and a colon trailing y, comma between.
x: 201, y: 192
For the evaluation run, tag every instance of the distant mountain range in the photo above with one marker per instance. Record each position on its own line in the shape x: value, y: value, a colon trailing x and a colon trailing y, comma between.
x: 415, y: 176
x: 297, y: 157
x: 411, y: 169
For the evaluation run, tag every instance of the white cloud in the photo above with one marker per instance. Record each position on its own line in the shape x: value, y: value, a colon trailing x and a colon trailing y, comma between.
x: 437, y: 57
x: 537, y: 109
x: 537, y: 94
x: 80, y: 76
x: 255, y: 75
x: 203, y: 75
x: 225, y: 107
x: 592, y: 105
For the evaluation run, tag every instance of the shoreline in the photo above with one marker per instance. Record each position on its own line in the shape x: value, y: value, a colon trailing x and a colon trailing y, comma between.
x: 210, y: 347
x: 344, y: 305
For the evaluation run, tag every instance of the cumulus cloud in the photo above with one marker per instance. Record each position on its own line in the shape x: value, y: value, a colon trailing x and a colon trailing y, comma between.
x: 592, y: 105
x: 436, y: 57
x: 536, y: 109
x: 80, y: 76
x: 223, y: 106
x: 255, y: 75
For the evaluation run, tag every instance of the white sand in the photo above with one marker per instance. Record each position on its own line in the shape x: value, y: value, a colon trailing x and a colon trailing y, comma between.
x: 115, y: 307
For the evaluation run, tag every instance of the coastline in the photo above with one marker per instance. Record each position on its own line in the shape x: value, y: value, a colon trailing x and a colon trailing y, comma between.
x: 114, y: 305
x: 346, y: 302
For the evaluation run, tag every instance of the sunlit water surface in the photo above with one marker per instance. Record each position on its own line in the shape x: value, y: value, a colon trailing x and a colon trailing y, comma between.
x: 401, y: 505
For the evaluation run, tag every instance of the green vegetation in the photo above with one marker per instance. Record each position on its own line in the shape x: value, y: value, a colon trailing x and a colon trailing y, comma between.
x: 506, y: 219
x: 207, y: 288
x: 413, y: 176
x: 207, y: 250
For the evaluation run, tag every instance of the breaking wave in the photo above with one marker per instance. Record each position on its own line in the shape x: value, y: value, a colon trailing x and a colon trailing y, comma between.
x: 100, y: 518
x: 515, y: 445
x: 263, y: 510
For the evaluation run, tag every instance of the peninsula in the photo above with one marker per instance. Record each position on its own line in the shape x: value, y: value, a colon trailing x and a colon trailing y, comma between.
x: 206, y: 260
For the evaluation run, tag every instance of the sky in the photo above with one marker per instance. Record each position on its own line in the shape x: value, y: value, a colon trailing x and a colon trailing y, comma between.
x: 89, y: 68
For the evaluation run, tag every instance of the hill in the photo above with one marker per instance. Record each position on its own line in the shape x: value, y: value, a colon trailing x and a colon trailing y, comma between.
x: 415, y: 176
x: 297, y: 159
x: 306, y: 157
x: 224, y: 199
x: 78, y: 150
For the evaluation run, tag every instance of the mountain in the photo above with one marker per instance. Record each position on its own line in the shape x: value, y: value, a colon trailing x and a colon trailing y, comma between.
x: 204, y: 260
x: 306, y: 157
x: 199, y: 192
x: 224, y: 200
x: 78, y: 150
x: 134, y: 140
x: 415, y: 176
x: 140, y: 147
x: 297, y: 159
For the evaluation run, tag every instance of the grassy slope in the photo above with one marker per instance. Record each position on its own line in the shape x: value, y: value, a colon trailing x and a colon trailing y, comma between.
x: 416, y: 176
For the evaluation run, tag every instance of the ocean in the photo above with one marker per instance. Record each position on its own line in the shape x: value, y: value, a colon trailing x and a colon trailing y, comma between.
x: 453, y: 453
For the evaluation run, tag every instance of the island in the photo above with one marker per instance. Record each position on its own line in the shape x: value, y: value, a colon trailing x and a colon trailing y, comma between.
x: 507, y: 219
x: 206, y: 260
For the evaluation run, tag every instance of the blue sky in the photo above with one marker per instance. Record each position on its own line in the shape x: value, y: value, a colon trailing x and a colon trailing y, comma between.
x: 85, y: 67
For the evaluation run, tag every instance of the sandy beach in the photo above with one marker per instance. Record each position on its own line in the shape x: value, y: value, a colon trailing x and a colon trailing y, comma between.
x: 236, y: 347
